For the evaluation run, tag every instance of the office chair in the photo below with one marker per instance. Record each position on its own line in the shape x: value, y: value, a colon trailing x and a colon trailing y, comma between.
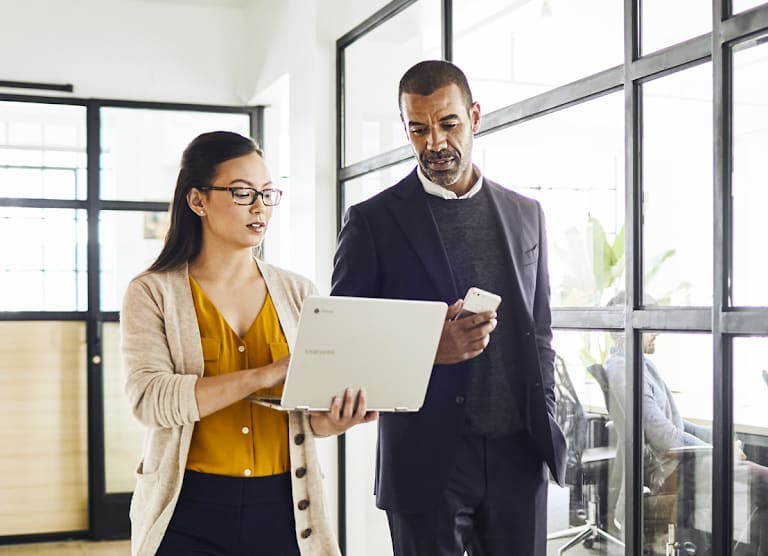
x: 667, y: 515
x: 585, y: 464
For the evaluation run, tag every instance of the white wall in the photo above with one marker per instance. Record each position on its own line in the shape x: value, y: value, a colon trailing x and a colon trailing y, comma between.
x: 298, y: 38
x: 156, y: 50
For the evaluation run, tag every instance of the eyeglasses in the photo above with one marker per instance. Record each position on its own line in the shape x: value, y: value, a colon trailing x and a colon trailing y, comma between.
x: 248, y: 195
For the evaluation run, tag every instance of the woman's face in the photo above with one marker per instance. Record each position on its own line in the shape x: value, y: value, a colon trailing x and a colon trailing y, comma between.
x: 223, y: 220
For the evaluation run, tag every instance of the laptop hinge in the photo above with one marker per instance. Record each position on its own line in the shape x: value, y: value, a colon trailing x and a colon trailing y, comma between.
x: 400, y: 409
x: 302, y: 408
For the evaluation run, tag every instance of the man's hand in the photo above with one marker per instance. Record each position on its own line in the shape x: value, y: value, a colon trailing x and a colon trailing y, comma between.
x: 466, y: 337
x: 342, y: 414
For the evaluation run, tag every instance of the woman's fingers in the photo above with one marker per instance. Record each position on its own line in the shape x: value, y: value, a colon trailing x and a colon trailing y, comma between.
x: 349, y: 404
x: 334, y: 411
x: 362, y: 402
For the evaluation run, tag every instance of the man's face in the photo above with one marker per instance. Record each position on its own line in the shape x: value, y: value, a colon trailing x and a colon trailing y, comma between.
x: 440, y: 127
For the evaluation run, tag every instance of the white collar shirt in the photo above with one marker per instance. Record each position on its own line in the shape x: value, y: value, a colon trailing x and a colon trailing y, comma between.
x: 439, y: 191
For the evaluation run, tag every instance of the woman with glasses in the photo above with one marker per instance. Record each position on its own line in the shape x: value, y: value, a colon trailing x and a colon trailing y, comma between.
x: 205, y: 327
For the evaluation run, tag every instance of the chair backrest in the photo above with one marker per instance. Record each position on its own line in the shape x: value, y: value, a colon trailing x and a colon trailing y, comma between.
x: 616, y: 416
x: 572, y: 419
x: 612, y: 399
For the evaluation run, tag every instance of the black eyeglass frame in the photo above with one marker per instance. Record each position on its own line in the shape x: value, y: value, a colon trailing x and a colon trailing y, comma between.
x: 256, y: 194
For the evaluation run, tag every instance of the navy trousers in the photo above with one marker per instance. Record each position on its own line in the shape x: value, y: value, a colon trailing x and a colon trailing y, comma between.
x: 494, y: 503
x: 222, y: 516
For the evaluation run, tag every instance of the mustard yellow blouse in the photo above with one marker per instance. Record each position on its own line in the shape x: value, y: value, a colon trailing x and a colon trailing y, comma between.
x: 244, y: 439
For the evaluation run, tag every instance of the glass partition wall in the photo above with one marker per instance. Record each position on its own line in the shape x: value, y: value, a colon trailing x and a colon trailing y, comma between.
x: 84, y: 193
x: 641, y: 129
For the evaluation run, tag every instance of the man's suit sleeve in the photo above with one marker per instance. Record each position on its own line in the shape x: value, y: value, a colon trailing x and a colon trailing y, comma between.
x: 355, y: 264
x: 542, y: 318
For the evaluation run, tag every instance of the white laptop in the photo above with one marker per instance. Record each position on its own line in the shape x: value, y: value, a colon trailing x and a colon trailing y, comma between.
x: 386, y: 346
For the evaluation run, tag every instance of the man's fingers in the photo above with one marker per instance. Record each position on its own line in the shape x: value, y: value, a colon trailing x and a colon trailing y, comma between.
x: 476, y: 334
x: 454, y: 309
x: 462, y: 337
x: 470, y: 354
x: 478, y: 320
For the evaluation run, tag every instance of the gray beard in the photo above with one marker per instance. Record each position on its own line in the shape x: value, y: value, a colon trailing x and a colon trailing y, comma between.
x: 443, y: 179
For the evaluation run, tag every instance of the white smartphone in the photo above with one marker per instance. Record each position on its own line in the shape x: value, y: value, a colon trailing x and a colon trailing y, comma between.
x: 478, y: 301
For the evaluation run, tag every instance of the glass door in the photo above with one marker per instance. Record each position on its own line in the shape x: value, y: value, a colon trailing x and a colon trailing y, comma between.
x: 140, y: 150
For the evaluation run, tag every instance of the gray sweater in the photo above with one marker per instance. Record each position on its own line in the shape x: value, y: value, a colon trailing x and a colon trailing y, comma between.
x: 473, y: 244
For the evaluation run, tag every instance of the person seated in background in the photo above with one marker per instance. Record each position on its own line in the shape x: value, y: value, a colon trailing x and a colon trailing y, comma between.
x: 665, y: 430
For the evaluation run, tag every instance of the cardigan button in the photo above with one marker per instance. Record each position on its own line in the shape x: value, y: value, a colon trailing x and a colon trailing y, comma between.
x: 459, y: 400
x: 306, y: 533
x: 299, y: 439
x: 303, y: 504
x: 300, y: 472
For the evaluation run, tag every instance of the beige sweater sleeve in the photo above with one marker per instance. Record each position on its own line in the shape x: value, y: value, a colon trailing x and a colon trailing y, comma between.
x: 160, y: 394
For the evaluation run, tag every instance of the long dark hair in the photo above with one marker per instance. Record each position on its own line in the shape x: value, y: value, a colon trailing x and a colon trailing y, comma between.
x: 199, y: 165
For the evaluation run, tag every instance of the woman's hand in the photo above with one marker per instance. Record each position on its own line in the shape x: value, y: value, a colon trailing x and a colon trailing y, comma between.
x: 217, y: 392
x: 342, y: 414
x: 273, y: 374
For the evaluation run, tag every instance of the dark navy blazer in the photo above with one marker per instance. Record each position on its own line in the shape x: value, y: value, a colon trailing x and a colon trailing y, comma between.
x: 390, y: 247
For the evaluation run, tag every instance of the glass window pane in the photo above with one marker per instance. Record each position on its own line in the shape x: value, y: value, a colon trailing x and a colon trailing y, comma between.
x: 123, y: 435
x: 741, y: 5
x: 535, y: 46
x: 666, y: 23
x: 677, y: 187
x: 43, y: 267
x: 371, y: 115
x: 141, y: 148
x: 129, y: 242
x: 42, y: 151
x: 44, y: 432
x: 595, y: 467
x: 572, y: 161
x: 750, y: 472
x: 750, y: 166
x: 677, y: 426
x: 359, y: 189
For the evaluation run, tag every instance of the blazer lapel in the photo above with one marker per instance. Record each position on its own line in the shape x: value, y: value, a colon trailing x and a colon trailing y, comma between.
x: 513, y: 229
x: 413, y: 215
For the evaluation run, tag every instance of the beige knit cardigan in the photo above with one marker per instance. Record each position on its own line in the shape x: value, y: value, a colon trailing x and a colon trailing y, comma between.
x: 163, y: 359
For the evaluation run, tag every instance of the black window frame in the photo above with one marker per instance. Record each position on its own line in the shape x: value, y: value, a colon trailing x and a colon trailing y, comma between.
x: 107, y: 512
x: 722, y: 320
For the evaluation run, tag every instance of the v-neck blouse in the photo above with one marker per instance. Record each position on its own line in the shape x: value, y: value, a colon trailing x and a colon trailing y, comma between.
x: 243, y: 439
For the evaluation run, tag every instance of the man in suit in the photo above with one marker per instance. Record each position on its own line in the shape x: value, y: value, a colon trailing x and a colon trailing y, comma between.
x: 468, y: 471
